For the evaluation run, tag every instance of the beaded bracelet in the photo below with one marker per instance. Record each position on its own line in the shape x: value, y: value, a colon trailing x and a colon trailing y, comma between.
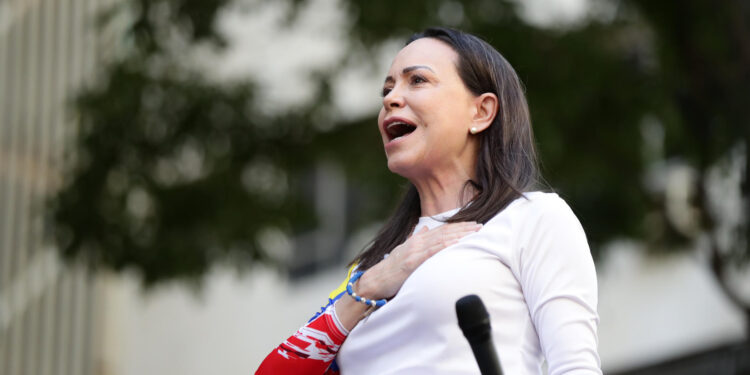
x: 350, y: 290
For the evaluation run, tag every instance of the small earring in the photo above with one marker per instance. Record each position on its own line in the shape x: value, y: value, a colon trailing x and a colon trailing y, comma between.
x: 473, y: 130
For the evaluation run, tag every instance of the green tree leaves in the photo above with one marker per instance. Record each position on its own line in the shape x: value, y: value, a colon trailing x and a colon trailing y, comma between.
x: 171, y: 173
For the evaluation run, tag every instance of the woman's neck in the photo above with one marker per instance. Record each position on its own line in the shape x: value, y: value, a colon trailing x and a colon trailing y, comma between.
x: 443, y: 191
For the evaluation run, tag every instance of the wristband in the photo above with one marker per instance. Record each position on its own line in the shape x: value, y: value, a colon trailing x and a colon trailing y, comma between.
x: 350, y: 291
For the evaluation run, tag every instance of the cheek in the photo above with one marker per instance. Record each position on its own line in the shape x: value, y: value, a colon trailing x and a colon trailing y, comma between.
x: 449, y: 123
x: 450, y: 128
x: 458, y: 109
x: 446, y: 108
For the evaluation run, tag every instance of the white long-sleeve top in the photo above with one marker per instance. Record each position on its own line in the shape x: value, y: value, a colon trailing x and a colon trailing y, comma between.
x: 532, y: 267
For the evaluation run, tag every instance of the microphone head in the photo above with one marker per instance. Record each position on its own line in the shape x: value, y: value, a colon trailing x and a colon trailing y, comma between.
x: 473, y: 318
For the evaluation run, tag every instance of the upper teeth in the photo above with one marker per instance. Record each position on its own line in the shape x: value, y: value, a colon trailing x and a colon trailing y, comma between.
x: 400, y: 123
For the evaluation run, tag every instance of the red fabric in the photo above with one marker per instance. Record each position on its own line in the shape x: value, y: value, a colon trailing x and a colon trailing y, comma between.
x: 311, y: 350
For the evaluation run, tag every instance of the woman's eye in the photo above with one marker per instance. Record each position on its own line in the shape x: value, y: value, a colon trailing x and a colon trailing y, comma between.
x: 385, y: 91
x: 415, y: 79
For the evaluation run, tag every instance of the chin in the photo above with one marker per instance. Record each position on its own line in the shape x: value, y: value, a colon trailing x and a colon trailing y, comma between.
x: 401, y: 167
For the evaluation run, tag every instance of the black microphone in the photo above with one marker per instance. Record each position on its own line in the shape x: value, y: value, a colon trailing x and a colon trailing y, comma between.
x: 475, y: 323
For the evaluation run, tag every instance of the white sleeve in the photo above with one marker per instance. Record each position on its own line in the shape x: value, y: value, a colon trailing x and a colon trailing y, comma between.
x: 559, y: 283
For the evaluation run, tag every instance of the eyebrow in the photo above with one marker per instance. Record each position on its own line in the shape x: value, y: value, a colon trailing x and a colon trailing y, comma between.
x: 409, y: 69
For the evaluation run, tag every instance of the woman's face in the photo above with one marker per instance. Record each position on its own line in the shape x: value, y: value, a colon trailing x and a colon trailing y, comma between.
x: 427, y: 112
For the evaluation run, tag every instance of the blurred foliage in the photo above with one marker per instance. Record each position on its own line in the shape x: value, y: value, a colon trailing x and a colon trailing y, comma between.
x: 172, y: 173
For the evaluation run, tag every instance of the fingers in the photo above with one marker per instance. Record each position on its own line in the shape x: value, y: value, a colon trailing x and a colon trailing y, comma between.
x: 447, y: 235
x: 443, y: 241
x: 470, y: 226
x: 386, y: 277
x: 454, y: 229
x: 423, y: 230
x: 425, y: 243
x: 459, y: 227
x: 436, y: 247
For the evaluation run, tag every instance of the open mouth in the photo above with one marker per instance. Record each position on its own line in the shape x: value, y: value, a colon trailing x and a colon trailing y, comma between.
x: 398, y: 129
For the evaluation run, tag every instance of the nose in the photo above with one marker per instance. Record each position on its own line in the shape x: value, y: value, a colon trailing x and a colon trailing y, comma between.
x: 393, y: 99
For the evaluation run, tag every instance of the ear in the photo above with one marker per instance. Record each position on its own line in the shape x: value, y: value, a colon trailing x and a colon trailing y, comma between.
x: 486, y: 107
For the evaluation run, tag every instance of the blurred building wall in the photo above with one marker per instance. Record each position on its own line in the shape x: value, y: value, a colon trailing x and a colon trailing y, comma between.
x: 226, y: 327
x: 47, y: 308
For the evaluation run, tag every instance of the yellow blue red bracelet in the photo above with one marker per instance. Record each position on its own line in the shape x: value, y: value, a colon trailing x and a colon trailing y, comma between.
x: 350, y: 291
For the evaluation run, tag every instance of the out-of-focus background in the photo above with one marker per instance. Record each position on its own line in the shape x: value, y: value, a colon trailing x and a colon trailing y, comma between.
x: 182, y: 182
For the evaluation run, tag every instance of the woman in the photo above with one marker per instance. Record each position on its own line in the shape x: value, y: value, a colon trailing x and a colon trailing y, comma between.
x: 455, y: 123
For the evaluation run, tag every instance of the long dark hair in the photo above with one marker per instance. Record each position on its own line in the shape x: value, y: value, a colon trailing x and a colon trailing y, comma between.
x: 506, y: 164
